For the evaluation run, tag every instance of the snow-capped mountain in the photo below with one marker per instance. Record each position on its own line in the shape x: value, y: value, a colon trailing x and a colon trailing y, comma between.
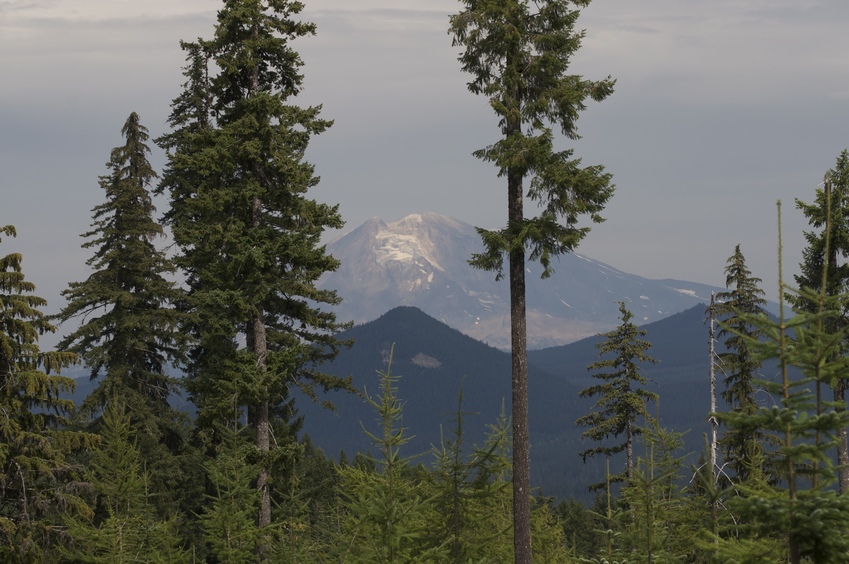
x: 421, y: 261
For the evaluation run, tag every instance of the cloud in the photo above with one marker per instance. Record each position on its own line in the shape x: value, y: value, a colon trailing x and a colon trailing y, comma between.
x: 721, y: 107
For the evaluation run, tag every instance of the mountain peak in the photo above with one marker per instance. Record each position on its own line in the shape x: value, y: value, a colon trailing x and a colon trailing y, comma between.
x: 422, y: 260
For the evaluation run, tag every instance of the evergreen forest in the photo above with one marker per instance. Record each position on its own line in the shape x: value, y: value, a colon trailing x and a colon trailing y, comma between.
x: 228, y: 316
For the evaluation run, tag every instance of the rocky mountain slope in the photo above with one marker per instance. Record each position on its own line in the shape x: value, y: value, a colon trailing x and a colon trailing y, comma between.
x: 421, y: 261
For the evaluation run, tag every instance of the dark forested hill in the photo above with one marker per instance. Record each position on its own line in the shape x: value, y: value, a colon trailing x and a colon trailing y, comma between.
x: 435, y: 362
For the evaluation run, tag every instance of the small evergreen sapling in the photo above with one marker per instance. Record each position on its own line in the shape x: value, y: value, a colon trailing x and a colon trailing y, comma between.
x: 126, y: 527
x: 386, y: 511
x: 824, y: 266
x: 621, y: 396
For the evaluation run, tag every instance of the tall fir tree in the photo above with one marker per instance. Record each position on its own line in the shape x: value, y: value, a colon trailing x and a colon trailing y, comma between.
x: 518, y: 53
x: 829, y: 271
x: 129, y: 332
x: 739, y: 364
x: 36, y: 476
x: 249, y: 236
x: 622, y: 396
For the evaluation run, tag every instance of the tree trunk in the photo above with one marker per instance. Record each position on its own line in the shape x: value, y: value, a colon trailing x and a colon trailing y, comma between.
x: 842, y: 438
x: 518, y: 331
x: 258, y: 342
x: 629, y: 450
x: 259, y: 346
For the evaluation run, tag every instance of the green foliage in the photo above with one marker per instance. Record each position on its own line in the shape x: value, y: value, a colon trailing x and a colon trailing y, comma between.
x: 128, y: 529
x: 660, y: 523
x: 308, y: 490
x: 579, y: 527
x: 739, y: 364
x: 37, y: 480
x: 135, y: 334
x: 518, y: 54
x: 472, y: 496
x: 249, y: 236
x: 129, y: 333
x: 386, y: 512
x: 821, y: 269
x: 622, y: 398
x: 808, y: 521
x: 829, y: 213
x: 229, y: 522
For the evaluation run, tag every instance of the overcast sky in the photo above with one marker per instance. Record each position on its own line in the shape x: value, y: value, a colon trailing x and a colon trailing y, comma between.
x: 721, y: 108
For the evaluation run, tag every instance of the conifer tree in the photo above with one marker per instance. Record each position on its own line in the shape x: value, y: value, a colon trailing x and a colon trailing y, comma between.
x: 129, y: 332
x: 621, y: 395
x: 472, y: 496
x: 739, y: 364
x: 386, y: 512
x: 229, y: 522
x: 658, y: 524
x: 249, y: 236
x: 810, y: 520
x: 830, y: 207
x: 129, y: 530
x: 36, y: 476
x: 518, y: 54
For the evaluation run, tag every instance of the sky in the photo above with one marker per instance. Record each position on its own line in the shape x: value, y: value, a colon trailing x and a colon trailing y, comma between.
x: 721, y: 108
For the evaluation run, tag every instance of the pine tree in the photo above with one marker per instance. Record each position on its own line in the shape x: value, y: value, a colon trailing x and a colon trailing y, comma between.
x: 472, y: 496
x: 36, y: 476
x: 739, y: 364
x: 518, y: 54
x: 830, y: 207
x: 386, y: 512
x: 229, y: 522
x: 129, y: 530
x: 659, y: 524
x: 129, y: 332
x: 810, y: 521
x: 621, y: 395
x: 249, y: 236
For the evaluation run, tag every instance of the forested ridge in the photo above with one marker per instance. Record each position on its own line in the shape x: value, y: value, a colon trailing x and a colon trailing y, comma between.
x: 124, y: 476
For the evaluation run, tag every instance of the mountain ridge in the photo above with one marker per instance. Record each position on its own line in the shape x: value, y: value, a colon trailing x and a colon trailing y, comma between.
x: 435, y: 363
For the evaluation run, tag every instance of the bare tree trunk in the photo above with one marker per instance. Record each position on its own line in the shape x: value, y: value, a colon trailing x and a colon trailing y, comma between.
x: 263, y: 444
x: 521, y: 435
x: 713, y: 421
x: 842, y: 438
x: 258, y: 343
x: 629, y: 450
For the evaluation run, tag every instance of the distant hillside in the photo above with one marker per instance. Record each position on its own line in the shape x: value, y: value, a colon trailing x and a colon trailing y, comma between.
x: 435, y: 362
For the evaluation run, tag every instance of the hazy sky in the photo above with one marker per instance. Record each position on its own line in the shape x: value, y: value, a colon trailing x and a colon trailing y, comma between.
x: 721, y: 108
